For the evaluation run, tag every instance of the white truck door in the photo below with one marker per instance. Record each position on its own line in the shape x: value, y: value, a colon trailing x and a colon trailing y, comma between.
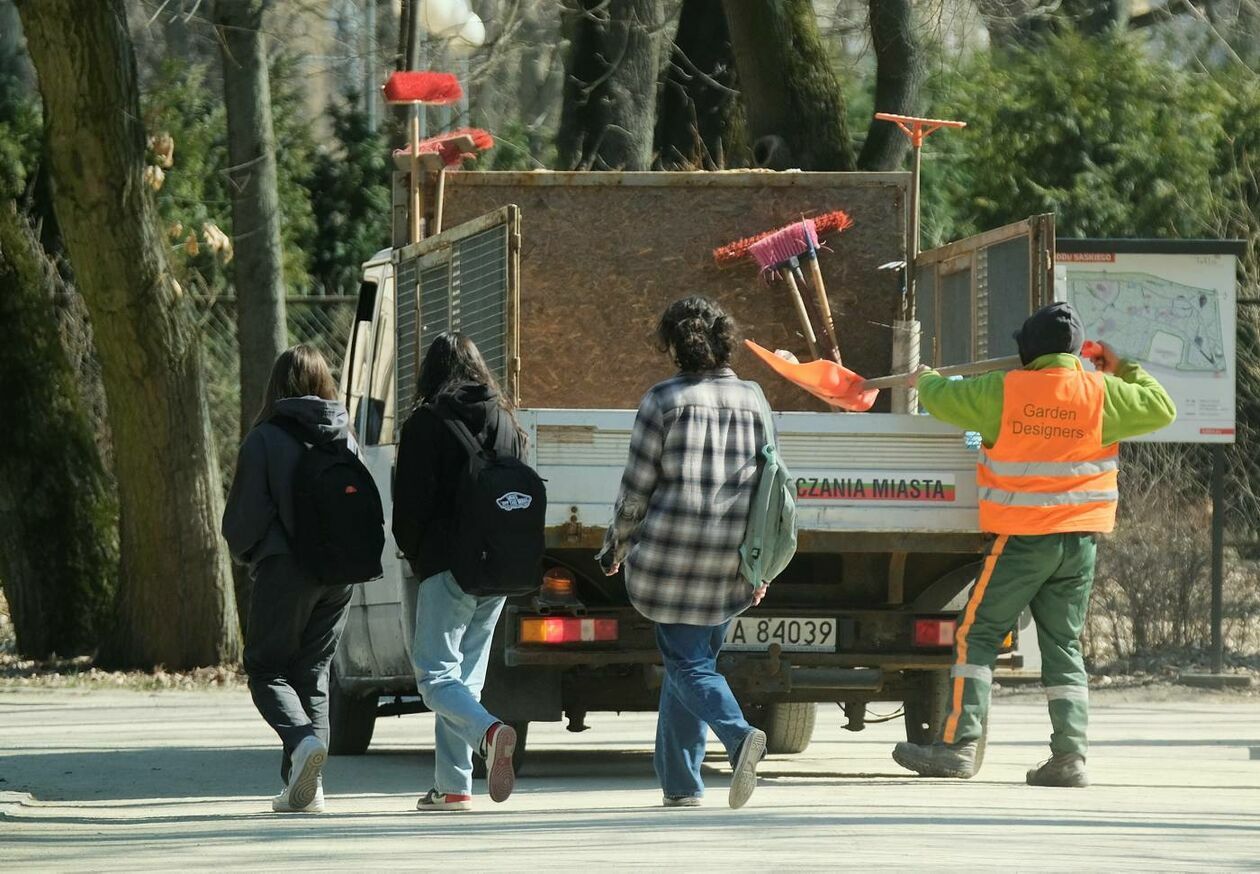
x: 971, y: 295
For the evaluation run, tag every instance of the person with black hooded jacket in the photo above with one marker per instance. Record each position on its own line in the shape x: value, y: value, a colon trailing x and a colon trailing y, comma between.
x: 453, y: 629
x: 294, y: 622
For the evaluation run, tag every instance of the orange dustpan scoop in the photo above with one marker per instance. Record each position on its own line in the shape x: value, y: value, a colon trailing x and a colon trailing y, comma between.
x: 824, y: 379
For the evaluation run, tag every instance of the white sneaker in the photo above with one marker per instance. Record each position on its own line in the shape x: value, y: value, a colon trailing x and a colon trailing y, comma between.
x: 305, y: 780
x: 435, y: 800
x: 500, y: 772
x: 744, y: 776
x: 280, y: 804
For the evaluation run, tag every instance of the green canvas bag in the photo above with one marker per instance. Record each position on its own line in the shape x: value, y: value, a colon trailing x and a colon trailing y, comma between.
x: 770, y: 540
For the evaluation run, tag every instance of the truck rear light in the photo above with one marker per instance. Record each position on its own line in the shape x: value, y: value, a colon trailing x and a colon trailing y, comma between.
x: 566, y: 629
x: 934, y: 632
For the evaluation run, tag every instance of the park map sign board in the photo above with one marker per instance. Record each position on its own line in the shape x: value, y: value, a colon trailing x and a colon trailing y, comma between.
x: 1172, y: 306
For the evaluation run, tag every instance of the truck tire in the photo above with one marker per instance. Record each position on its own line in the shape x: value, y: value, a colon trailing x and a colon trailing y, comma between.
x: 351, y: 719
x: 518, y: 755
x: 789, y: 725
x: 927, y: 709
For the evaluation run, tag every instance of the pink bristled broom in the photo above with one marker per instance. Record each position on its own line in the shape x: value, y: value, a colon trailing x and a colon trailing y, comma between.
x: 419, y: 88
x: 781, y: 252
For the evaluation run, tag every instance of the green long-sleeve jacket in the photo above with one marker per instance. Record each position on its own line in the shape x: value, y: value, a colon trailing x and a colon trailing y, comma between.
x: 1133, y: 402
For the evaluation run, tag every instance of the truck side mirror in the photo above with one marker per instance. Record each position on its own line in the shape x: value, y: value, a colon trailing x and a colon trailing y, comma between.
x: 367, y: 301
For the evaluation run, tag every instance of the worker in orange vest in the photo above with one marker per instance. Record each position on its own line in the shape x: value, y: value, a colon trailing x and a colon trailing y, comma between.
x: 1046, y: 478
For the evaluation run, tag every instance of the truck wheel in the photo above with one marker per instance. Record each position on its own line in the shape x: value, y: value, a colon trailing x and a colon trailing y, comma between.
x: 789, y: 725
x: 518, y: 755
x: 927, y: 709
x: 351, y: 719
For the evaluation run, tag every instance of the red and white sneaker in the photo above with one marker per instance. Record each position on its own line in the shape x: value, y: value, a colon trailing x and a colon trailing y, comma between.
x: 435, y: 800
x: 500, y: 775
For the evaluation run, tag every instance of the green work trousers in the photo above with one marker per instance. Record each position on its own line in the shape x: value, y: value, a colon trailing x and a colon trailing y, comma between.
x: 1052, y: 574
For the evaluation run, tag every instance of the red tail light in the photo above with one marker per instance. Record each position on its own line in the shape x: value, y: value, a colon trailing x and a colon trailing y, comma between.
x: 567, y: 629
x: 934, y: 632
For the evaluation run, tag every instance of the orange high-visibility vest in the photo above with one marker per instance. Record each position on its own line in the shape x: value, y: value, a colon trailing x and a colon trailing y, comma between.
x: 1048, y: 472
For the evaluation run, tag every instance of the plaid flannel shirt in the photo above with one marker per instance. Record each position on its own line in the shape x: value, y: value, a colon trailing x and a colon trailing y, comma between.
x: 683, y: 507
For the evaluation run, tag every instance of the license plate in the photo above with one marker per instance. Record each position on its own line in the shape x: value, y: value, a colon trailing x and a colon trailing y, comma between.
x: 792, y: 634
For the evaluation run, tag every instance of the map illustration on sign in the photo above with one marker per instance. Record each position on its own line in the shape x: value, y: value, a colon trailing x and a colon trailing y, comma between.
x: 1152, y: 319
x: 1170, y: 306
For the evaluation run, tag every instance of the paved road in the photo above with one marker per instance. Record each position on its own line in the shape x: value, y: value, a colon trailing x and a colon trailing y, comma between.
x: 131, y: 780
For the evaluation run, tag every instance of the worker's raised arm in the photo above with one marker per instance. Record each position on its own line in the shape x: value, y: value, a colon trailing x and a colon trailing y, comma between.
x: 974, y: 404
x: 1134, y: 404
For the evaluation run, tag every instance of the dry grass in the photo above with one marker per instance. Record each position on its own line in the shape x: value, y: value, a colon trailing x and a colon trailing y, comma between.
x: 18, y: 672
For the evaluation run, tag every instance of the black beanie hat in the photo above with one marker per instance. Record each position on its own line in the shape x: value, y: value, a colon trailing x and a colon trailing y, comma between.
x: 1052, y: 329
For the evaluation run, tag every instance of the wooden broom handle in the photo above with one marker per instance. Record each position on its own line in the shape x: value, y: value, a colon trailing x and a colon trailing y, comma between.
x: 802, y: 314
x: 824, y: 305
x: 1010, y: 362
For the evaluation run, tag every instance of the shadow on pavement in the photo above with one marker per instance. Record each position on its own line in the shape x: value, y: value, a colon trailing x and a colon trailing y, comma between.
x: 234, y: 772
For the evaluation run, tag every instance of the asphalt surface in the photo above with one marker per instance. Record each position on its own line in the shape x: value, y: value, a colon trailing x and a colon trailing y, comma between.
x: 113, y: 780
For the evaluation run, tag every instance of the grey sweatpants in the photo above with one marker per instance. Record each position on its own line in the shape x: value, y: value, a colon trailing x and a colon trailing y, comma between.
x: 293, y: 629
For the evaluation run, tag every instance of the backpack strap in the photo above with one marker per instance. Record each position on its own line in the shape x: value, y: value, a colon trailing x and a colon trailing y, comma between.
x: 504, y: 435
x: 461, y: 431
x: 767, y: 421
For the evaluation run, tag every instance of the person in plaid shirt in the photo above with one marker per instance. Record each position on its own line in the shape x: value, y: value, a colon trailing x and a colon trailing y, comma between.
x: 677, y: 527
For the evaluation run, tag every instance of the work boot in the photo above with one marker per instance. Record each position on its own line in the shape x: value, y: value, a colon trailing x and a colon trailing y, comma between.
x: 1063, y: 769
x: 938, y: 759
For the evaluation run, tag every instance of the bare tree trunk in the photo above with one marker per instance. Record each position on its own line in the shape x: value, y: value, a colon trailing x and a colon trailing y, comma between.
x: 796, y: 115
x: 698, y: 112
x: 898, y: 72
x: 58, y: 533
x: 258, y: 268
x: 609, y: 109
x: 175, y: 606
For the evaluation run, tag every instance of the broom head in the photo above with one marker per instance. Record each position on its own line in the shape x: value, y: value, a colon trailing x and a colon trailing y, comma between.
x: 833, y: 383
x: 831, y: 222
x: 784, y: 244
x: 448, y: 150
x: 422, y: 87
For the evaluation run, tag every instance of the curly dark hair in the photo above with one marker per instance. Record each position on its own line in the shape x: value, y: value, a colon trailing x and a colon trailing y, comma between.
x: 698, y: 333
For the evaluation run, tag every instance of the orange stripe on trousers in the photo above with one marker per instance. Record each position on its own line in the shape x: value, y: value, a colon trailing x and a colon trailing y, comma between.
x: 960, y: 639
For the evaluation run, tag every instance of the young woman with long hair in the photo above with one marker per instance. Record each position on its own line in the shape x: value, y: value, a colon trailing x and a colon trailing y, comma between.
x: 453, y: 629
x: 677, y: 527
x: 294, y: 621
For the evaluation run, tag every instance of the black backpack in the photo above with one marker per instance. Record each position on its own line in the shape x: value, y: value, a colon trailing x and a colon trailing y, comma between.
x: 340, y: 527
x: 497, y: 536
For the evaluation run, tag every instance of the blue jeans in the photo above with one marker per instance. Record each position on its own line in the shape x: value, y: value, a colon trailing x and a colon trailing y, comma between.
x: 450, y: 654
x: 694, y: 698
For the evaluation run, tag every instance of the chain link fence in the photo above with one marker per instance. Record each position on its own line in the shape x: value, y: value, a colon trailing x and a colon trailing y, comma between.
x: 323, y: 322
